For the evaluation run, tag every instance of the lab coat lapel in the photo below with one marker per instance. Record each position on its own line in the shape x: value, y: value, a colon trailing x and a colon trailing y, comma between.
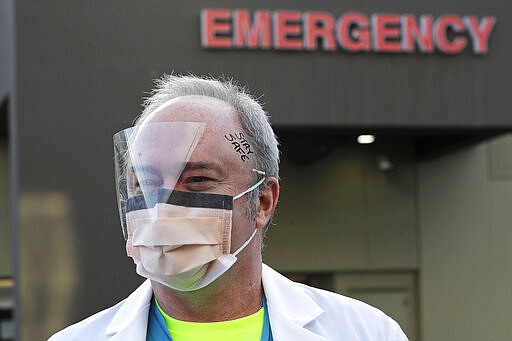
x: 291, y: 311
x: 131, y: 320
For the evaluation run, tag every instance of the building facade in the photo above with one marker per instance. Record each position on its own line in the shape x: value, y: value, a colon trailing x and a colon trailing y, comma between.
x: 417, y: 222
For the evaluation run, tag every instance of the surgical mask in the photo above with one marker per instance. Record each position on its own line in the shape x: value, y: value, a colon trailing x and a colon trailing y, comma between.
x: 184, y: 242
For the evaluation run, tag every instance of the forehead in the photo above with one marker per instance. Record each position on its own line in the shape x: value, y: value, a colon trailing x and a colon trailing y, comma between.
x: 220, y: 120
x: 214, y: 112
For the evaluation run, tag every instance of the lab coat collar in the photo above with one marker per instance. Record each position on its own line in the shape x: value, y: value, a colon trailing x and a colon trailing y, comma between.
x: 291, y: 310
x: 130, y: 321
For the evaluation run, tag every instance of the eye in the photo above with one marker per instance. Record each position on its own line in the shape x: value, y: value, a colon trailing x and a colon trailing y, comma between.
x: 199, y: 179
x: 198, y: 183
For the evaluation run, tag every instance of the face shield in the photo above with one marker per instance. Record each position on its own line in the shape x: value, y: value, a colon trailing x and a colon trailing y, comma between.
x: 149, y: 159
x: 176, y: 231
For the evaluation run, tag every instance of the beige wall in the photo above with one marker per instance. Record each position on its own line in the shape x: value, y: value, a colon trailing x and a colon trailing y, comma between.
x: 6, y: 91
x: 342, y: 213
x: 5, y: 226
x: 466, y: 234
x: 45, y: 300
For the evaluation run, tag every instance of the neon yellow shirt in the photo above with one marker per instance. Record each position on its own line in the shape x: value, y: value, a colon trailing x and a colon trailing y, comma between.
x: 247, y: 328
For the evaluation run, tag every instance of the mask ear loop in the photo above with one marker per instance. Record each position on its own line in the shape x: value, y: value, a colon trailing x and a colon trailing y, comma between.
x: 253, y: 186
x: 245, y: 244
x: 240, y: 195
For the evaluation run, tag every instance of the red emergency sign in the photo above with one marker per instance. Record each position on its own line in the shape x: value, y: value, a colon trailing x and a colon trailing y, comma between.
x: 352, y: 31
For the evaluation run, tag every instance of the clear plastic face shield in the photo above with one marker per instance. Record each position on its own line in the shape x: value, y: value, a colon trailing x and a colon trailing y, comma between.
x: 149, y: 158
x: 177, y: 231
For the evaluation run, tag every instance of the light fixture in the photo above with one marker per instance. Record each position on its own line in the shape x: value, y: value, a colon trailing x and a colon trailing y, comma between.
x: 365, y: 139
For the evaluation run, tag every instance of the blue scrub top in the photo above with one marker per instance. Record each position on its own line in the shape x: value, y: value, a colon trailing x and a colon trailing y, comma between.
x: 157, y: 329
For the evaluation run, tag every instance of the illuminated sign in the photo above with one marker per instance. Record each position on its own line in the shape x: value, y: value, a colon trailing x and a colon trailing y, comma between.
x: 352, y: 31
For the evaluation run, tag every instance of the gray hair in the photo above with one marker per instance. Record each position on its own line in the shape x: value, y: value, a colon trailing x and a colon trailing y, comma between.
x: 253, y: 119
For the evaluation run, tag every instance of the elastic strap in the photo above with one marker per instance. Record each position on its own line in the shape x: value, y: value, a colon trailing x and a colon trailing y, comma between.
x: 241, y: 194
x: 253, y: 186
x: 245, y: 244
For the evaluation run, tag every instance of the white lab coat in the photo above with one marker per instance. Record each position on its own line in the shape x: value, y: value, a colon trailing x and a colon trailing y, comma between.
x: 297, y: 313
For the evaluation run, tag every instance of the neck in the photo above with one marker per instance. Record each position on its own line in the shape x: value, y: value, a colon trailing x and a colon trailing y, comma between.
x: 237, y: 293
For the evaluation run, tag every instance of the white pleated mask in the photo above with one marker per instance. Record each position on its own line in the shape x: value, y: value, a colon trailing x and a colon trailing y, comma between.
x: 184, y: 242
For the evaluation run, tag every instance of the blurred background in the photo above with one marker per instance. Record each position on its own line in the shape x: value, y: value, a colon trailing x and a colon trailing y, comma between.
x: 396, y: 151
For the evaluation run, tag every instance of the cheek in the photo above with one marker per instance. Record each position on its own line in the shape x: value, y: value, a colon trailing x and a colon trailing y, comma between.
x: 241, y: 217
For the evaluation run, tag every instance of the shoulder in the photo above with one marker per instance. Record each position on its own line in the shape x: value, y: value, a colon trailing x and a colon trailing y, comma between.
x: 340, y: 304
x: 125, y: 317
x: 92, y: 328
x: 337, y: 317
x: 350, y: 313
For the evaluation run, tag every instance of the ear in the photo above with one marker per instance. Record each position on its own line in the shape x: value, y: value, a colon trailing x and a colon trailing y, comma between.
x: 268, y: 201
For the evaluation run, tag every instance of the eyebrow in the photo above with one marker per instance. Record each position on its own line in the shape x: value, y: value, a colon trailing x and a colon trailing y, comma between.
x: 189, y: 166
x: 204, y: 165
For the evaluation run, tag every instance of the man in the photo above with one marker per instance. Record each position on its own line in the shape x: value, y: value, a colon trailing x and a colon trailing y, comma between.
x: 198, y: 184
